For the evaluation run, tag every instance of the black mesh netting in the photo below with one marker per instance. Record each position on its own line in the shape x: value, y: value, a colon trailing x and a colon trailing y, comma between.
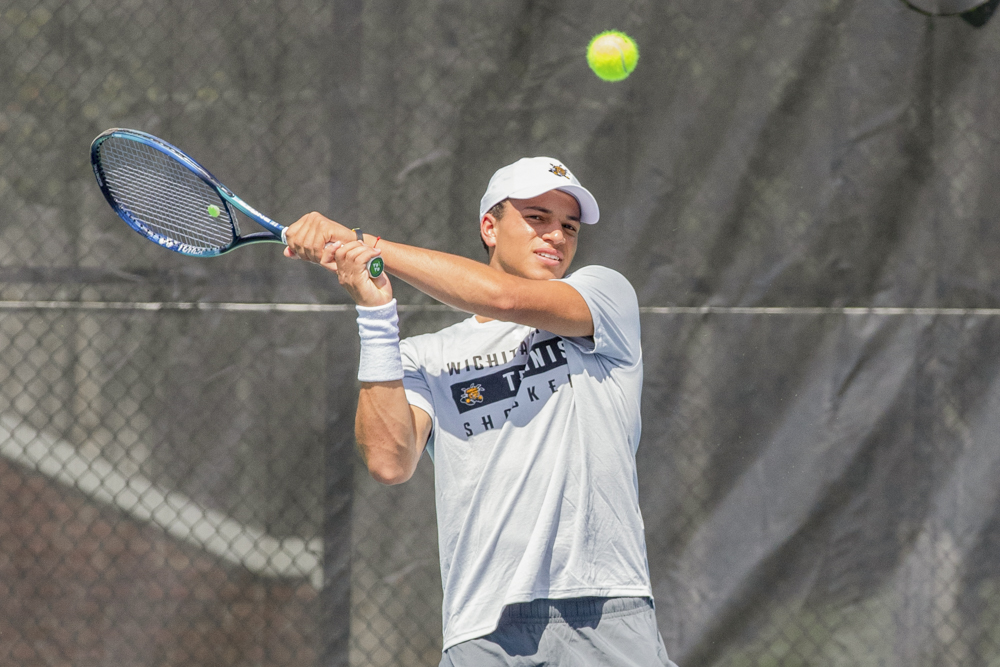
x: 801, y: 191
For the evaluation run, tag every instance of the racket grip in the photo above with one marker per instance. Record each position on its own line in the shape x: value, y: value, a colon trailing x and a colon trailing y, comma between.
x: 375, y: 267
x: 284, y: 239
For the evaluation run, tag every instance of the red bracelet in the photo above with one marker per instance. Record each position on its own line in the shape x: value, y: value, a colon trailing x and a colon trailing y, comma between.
x: 377, y: 239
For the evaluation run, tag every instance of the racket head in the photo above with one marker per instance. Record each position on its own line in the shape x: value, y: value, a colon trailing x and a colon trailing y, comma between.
x: 164, y: 194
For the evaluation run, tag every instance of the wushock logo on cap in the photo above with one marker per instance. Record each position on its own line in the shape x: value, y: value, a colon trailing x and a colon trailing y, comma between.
x: 560, y: 171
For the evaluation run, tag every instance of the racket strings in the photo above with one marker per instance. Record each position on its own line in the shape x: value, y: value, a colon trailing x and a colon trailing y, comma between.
x: 164, y: 196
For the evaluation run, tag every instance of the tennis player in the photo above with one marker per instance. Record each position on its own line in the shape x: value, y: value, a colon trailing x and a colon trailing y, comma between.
x: 529, y: 410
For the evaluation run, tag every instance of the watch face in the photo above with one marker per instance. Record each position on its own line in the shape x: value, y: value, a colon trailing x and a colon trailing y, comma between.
x: 945, y: 7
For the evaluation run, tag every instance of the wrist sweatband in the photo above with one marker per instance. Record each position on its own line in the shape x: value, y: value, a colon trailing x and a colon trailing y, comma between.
x: 379, y: 330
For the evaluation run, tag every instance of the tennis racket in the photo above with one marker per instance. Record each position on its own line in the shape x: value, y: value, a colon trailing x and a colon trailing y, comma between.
x: 166, y: 196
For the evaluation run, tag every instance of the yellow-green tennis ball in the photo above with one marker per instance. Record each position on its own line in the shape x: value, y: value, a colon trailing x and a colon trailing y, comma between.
x: 213, y: 210
x: 612, y: 55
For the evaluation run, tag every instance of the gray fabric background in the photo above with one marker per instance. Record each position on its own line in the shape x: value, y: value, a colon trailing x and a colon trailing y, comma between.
x: 818, y: 479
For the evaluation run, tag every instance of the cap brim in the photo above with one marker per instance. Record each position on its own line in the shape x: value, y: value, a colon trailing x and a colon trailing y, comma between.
x: 590, y: 213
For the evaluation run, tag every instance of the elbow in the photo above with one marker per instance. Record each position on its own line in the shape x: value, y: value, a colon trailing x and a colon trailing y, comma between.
x: 389, y: 474
x: 388, y: 450
x: 388, y: 465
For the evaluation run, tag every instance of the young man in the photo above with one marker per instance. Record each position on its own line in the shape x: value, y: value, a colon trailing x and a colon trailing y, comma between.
x: 529, y: 410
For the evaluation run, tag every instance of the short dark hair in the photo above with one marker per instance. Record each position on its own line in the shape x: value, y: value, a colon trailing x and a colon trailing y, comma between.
x: 497, y: 212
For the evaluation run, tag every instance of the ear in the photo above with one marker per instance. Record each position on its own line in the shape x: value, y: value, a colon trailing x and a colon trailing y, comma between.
x: 488, y: 230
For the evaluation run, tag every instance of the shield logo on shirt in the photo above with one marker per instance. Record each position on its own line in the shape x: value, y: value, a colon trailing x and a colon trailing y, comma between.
x: 472, y: 395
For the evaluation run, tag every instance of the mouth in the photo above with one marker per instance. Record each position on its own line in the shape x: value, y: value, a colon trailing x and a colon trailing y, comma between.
x: 550, y: 258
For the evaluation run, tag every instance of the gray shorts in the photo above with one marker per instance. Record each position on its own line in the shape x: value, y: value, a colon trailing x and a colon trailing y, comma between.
x: 581, y: 631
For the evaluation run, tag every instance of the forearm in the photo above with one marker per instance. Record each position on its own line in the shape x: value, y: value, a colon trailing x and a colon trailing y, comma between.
x: 386, y: 432
x: 459, y: 282
x: 451, y: 279
x: 476, y: 288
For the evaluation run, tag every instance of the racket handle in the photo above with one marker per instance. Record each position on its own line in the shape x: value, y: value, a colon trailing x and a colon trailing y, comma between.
x: 375, y: 265
x: 283, y: 238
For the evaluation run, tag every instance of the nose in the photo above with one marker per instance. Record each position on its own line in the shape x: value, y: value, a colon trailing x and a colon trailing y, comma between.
x: 555, y: 235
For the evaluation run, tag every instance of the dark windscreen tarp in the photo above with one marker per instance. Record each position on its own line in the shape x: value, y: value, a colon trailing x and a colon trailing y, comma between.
x: 802, y: 193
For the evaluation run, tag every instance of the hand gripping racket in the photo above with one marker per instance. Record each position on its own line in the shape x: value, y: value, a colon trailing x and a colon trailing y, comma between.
x: 172, y: 200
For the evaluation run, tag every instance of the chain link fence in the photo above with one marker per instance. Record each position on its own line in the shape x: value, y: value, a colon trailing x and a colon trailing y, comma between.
x: 153, y: 512
x: 799, y: 191
x: 157, y: 505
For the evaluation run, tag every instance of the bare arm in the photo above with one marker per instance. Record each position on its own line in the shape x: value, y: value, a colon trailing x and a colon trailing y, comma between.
x: 476, y: 288
x: 391, y: 434
x: 460, y: 282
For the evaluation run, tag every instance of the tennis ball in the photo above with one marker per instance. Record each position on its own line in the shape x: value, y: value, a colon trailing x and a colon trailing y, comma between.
x: 612, y: 55
x: 213, y: 210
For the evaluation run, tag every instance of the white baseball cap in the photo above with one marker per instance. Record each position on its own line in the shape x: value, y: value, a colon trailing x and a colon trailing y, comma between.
x: 532, y: 176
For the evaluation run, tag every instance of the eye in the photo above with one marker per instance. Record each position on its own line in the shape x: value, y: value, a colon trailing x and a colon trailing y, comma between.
x: 570, y: 229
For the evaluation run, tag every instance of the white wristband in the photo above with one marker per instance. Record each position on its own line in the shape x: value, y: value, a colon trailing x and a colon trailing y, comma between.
x: 379, y: 330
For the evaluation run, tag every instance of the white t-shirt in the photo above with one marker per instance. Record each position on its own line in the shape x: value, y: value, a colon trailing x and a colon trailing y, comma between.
x: 533, y: 441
